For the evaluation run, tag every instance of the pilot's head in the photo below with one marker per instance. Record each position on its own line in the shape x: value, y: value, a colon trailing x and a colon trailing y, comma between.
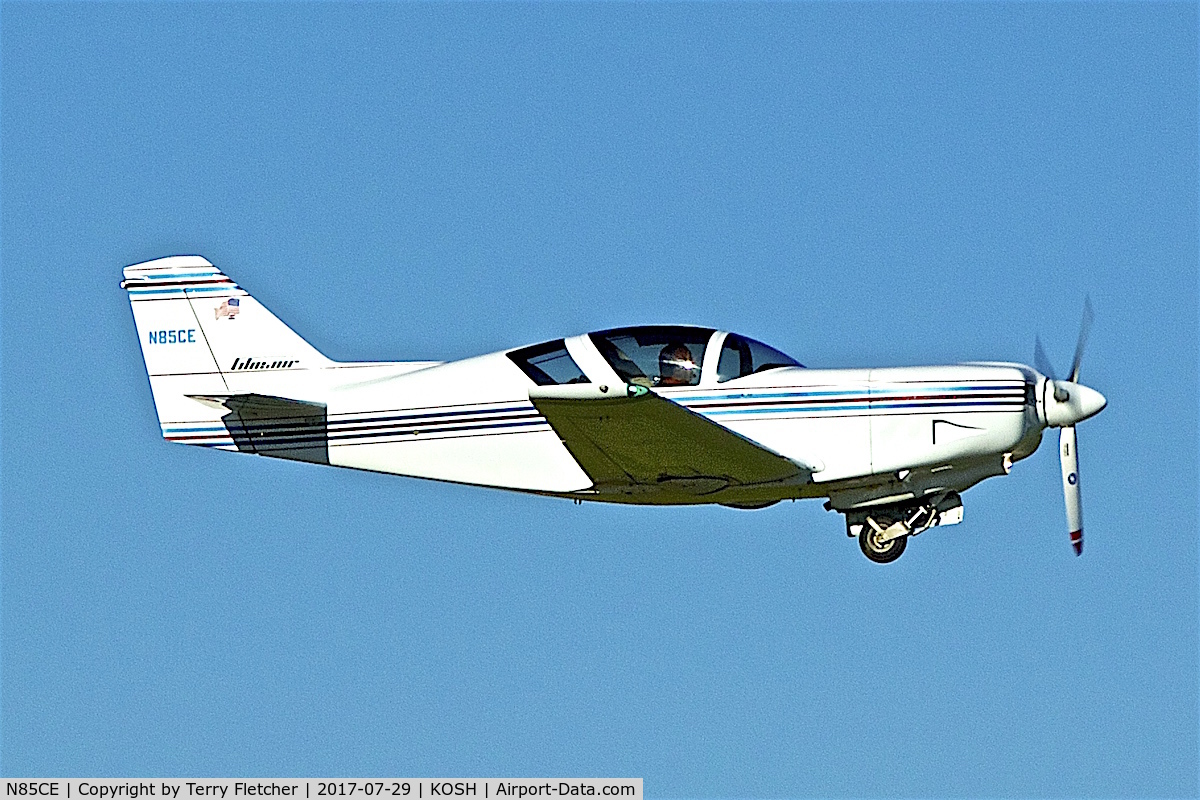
x: 676, y: 368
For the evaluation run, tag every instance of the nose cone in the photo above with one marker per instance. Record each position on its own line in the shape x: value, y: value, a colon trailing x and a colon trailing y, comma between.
x: 1088, y: 402
x: 1067, y: 403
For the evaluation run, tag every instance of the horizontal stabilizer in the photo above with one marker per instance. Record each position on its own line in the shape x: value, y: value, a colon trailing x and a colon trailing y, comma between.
x: 275, y: 426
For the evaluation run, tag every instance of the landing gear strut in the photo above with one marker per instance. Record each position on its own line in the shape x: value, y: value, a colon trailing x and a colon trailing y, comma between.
x: 883, y: 531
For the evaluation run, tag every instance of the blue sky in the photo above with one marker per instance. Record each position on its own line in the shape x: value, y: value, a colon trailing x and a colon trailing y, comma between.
x: 858, y: 184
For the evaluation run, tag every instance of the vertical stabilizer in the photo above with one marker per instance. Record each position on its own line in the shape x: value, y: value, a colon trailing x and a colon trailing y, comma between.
x: 202, y: 335
x: 238, y: 331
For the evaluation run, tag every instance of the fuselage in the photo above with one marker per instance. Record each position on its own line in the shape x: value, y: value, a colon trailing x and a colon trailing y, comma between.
x: 862, y: 431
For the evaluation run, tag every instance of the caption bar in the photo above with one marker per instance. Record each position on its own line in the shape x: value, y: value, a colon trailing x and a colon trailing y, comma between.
x: 409, y: 788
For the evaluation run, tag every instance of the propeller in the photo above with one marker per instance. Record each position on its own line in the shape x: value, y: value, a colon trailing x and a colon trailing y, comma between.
x: 1069, y: 403
x: 1040, y: 360
x: 1085, y: 328
x: 1069, y: 457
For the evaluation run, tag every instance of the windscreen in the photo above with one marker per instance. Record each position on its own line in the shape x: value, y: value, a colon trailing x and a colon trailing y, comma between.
x: 743, y: 356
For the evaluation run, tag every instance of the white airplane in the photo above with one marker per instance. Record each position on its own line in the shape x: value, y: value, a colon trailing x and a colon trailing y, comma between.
x: 654, y: 414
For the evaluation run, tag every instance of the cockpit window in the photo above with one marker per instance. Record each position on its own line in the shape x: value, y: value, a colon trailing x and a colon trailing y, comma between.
x: 548, y: 364
x: 654, y: 355
x: 742, y: 356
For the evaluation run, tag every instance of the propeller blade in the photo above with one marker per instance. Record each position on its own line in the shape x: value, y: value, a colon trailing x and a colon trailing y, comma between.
x: 1085, y: 327
x: 1069, y: 456
x: 1040, y: 360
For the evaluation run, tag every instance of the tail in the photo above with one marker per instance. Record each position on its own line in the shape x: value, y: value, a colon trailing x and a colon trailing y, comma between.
x: 223, y: 369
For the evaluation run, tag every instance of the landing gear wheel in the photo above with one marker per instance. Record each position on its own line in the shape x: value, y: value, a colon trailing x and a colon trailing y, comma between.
x: 880, y: 553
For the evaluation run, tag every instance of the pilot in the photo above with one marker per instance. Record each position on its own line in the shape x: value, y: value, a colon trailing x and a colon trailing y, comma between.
x: 676, y: 368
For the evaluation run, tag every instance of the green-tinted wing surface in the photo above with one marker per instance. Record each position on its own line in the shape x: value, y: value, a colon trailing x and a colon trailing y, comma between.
x: 633, y: 435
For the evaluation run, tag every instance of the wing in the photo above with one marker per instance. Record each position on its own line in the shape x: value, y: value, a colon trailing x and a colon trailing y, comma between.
x: 634, y: 436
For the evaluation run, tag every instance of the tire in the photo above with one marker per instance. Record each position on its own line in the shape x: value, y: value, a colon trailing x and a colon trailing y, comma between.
x: 880, y: 554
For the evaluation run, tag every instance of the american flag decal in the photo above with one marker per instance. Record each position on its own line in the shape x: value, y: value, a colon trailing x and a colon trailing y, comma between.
x: 229, y: 308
